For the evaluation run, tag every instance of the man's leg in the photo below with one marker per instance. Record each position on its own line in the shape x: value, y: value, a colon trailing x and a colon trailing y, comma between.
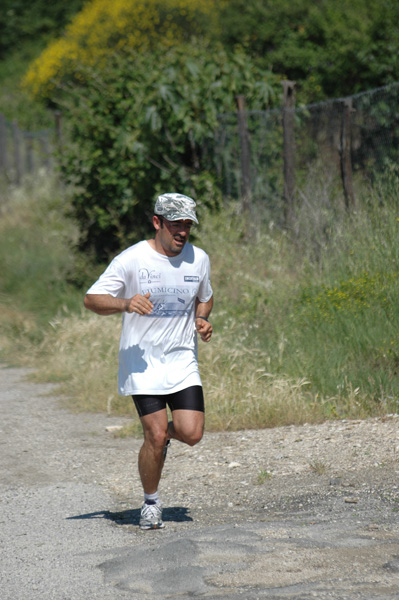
x: 155, y: 428
x: 151, y: 459
x: 187, y: 426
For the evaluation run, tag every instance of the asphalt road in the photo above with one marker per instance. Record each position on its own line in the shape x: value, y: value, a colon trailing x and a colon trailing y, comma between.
x: 65, y: 536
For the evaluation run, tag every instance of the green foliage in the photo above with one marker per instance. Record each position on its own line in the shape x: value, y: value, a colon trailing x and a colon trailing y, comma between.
x: 328, y: 317
x: 329, y: 48
x: 22, y: 22
x: 343, y: 317
x: 294, y: 340
x: 352, y: 296
x: 25, y: 29
x: 356, y: 317
x: 102, y: 27
x: 143, y: 124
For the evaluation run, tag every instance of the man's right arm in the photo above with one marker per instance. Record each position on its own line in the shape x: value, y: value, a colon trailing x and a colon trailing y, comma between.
x: 105, y: 304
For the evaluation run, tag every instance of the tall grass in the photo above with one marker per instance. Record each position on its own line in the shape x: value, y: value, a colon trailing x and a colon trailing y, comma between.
x: 35, y: 261
x: 315, y: 306
x: 344, y: 319
x: 305, y: 323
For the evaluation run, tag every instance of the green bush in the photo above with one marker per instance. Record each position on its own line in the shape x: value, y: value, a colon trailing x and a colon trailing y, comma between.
x: 144, y: 124
x: 103, y: 27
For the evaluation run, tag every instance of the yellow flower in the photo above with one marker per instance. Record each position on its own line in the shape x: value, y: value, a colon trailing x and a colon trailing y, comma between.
x: 103, y: 26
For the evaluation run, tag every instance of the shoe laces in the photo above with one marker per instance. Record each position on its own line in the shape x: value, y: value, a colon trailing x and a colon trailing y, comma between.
x: 151, y: 510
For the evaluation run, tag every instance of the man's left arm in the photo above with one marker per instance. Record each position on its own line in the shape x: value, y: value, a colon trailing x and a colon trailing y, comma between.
x: 202, y: 325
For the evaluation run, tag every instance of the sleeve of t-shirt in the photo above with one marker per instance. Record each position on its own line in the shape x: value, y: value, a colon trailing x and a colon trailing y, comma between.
x: 205, y: 291
x: 112, y: 281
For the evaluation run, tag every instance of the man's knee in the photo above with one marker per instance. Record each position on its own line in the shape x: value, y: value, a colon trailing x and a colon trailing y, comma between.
x: 156, y: 437
x: 191, y: 441
x: 192, y: 436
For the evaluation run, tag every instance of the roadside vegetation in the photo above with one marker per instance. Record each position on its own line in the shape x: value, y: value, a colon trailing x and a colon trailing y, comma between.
x: 26, y: 28
x: 304, y: 329
x: 305, y: 316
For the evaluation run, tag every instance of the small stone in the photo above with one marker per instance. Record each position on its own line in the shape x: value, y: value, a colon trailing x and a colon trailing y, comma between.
x: 112, y: 428
x: 351, y: 500
x: 392, y: 565
x: 335, y: 481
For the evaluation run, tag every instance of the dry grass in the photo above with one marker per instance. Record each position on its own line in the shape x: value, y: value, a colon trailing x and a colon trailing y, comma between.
x: 263, y: 366
x: 80, y: 353
x: 240, y: 393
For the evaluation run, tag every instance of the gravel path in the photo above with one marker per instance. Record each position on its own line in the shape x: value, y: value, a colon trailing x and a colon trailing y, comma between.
x: 293, y: 512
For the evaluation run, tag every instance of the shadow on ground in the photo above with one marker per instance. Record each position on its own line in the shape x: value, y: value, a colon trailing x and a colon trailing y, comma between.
x: 177, y: 514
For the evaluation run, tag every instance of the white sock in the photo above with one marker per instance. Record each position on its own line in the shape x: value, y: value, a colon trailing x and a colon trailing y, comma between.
x: 151, y: 498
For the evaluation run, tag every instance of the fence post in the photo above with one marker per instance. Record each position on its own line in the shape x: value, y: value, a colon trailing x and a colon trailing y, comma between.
x: 3, y: 144
x: 58, y: 128
x: 17, y: 152
x: 345, y: 153
x: 245, y: 156
x: 289, y: 149
x: 29, y: 153
x: 44, y: 141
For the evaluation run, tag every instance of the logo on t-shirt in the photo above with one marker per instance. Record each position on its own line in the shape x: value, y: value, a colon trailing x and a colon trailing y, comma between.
x: 191, y: 278
x: 149, y: 276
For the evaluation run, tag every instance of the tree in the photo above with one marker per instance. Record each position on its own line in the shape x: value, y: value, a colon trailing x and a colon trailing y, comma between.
x: 102, y: 27
x: 329, y: 48
x: 22, y: 22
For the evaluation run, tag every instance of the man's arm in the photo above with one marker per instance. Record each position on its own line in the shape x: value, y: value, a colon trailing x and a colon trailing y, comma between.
x: 105, y: 304
x: 202, y: 312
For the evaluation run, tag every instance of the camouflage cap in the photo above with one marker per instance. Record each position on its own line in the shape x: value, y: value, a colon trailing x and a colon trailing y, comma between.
x: 175, y: 207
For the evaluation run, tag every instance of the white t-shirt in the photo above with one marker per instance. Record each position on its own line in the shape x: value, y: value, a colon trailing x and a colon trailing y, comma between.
x: 158, y: 352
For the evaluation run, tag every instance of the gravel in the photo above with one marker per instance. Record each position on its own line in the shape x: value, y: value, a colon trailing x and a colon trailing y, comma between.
x: 292, y: 512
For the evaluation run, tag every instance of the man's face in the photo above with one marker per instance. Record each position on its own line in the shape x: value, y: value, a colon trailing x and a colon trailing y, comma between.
x: 171, y: 236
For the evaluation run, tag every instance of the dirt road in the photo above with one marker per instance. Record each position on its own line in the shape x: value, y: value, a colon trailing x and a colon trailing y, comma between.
x: 295, y: 512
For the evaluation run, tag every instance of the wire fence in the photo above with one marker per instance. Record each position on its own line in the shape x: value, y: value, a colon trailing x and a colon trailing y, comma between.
x: 267, y: 157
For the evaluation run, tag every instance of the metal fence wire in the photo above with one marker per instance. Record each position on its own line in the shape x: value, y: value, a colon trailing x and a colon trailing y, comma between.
x: 346, y: 139
x: 265, y: 158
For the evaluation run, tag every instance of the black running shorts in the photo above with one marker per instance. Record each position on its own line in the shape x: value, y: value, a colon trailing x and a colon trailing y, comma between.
x: 192, y: 398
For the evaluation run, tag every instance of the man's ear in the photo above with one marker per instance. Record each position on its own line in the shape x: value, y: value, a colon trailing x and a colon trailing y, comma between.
x: 156, y: 221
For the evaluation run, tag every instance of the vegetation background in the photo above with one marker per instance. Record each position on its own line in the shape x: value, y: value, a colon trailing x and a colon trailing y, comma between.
x: 299, y: 335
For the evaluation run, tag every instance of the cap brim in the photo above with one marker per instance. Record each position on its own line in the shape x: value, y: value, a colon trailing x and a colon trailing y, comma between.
x: 183, y: 218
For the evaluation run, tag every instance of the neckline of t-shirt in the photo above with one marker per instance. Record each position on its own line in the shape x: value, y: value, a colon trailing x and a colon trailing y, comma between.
x: 164, y: 256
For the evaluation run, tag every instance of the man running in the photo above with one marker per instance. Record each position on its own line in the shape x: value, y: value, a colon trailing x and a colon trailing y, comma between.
x: 162, y: 288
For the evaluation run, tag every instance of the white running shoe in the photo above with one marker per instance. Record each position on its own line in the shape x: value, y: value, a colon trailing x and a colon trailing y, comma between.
x: 151, y: 516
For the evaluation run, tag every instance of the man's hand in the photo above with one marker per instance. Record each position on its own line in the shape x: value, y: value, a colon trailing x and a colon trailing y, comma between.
x: 204, y: 329
x: 140, y: 304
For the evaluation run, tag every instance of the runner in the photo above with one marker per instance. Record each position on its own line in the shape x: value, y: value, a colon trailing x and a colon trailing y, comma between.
x: 162, y: 287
